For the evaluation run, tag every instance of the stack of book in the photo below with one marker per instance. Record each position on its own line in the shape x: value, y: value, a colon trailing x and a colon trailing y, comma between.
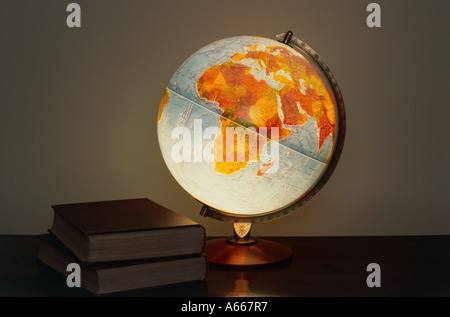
x: 124, y: 245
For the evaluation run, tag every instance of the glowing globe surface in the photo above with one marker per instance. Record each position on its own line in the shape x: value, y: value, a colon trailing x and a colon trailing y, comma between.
x: 279, y: 106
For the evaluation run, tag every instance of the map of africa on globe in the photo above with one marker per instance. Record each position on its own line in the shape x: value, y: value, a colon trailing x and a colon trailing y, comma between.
x: 255, y: 84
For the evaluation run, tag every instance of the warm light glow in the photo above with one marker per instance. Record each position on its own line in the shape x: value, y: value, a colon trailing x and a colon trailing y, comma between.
x: 264, y: 120
x: 242, y: 228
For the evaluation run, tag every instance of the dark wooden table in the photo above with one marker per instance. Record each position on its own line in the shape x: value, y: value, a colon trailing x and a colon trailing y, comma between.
x: 322, y: 266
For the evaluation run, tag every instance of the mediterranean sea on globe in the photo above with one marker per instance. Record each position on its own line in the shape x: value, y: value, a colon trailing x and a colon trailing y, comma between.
x: 252, y: 85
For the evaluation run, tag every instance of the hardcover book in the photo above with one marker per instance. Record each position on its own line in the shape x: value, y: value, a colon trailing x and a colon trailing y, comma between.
x: 111, y: 277
x: 125, y: 230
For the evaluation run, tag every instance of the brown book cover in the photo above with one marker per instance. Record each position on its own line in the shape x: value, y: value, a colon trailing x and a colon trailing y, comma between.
x: 125, y: 230
x: 111, y: 277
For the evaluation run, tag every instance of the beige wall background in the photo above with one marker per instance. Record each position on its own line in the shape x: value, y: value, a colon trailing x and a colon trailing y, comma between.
x: 79, y: 106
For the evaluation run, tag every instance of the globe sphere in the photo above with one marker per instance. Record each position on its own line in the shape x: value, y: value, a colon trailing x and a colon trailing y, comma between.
x: 248, y: 125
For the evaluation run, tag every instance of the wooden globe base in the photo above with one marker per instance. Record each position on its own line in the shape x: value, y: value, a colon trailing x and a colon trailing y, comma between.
x: 257, y: 252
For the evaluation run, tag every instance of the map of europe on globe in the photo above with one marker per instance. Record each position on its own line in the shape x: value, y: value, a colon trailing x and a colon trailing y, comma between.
x: 252, y: 83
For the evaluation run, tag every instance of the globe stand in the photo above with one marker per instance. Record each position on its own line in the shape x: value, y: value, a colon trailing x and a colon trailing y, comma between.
x: 241, y: 249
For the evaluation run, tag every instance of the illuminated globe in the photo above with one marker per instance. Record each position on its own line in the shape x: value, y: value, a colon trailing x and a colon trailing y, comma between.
x: 249, y: 126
